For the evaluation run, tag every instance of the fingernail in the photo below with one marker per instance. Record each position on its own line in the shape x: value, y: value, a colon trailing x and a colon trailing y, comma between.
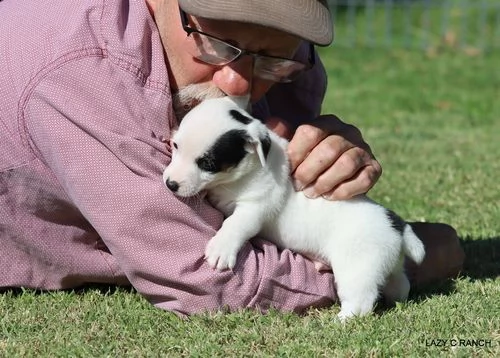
x: 298, y: 186
x: 330, y: 197
x: 310, y: 192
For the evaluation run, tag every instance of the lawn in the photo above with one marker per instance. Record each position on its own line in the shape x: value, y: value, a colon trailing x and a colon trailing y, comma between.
x: 433, y: 121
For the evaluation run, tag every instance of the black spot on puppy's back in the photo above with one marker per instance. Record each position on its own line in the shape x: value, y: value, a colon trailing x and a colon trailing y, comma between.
x: 240, y: 117
x: 396, y: 222
x: 227, y: 152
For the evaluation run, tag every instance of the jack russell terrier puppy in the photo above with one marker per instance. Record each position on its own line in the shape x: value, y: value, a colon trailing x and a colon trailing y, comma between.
x: 244, y: 168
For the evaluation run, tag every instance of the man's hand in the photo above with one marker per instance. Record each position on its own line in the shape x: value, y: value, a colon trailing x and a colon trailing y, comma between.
x: 329, y: 158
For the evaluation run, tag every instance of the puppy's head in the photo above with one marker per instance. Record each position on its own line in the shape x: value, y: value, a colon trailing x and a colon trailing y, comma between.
x: 217, y: 142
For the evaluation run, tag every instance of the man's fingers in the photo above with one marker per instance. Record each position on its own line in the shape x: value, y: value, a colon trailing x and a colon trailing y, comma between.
x: 329, y: 158
x: 306, y: 137
x: 358, y: 184
x: 345, y: 169
x: 320, y: 161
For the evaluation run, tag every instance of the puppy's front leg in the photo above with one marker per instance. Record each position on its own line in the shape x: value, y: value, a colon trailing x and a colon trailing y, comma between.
x: 245, y: 222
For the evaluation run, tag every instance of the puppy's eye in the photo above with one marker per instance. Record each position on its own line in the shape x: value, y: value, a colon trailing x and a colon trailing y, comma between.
x: 207, y: 163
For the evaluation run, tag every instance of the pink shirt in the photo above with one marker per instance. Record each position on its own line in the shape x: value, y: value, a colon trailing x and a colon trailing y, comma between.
x: 85, y: 108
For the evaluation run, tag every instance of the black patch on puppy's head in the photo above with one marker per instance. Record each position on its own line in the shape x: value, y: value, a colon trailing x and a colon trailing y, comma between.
x: 240, y: 117
x: 227, y: 152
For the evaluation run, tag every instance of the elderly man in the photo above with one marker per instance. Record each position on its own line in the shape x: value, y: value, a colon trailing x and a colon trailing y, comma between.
x: 90, y: 92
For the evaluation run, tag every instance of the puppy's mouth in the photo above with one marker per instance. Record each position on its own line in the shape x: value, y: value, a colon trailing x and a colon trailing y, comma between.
x: 181, y: 189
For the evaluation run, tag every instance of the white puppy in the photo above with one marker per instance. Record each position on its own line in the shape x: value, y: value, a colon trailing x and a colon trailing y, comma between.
x: 220, y: 148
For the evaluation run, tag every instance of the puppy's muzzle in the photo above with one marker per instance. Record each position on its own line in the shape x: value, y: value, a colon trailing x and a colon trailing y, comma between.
x: 172, y: 185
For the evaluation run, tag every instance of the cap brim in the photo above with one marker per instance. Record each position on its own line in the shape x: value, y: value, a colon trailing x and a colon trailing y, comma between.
x: 307, y: 19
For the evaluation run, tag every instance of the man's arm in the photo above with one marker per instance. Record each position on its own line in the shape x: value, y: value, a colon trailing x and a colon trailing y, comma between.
x: 105, y: 149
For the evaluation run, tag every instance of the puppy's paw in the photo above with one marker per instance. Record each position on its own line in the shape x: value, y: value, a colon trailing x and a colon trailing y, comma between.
x: 220, y: 254
x: 350, y: 310
x: 343, y: 316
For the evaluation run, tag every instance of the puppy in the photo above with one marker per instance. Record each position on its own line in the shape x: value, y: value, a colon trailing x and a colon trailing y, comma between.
x: 244, y: 168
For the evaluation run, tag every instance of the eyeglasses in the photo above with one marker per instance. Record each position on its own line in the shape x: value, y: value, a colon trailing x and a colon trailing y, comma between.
x: 214, y: 51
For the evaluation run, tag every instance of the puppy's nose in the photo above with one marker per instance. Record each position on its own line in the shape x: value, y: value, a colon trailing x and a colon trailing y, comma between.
x: 172, y: 185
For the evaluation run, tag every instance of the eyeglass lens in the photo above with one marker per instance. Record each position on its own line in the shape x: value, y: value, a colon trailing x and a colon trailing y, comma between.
x: 217, y: 52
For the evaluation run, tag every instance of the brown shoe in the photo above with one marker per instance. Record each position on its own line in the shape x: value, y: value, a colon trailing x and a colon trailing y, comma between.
x: 444, y: 257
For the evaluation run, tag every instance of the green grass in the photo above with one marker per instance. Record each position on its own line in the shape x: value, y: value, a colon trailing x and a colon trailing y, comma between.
x: 433, y: 121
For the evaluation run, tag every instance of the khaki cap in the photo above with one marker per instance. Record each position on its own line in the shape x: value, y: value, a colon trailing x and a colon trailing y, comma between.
x: 308, y: 19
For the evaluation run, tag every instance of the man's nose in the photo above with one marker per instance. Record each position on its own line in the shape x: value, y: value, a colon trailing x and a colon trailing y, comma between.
x: 235, y: 78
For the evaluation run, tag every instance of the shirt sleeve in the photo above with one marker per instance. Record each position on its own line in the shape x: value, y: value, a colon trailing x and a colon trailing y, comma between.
x: 99, y: 130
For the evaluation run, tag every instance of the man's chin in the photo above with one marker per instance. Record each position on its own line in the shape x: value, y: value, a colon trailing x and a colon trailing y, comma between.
x: 188, y: 97
x: 181, y: 109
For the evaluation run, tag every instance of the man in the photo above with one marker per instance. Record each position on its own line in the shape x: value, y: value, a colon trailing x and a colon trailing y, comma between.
x: 89, y: 94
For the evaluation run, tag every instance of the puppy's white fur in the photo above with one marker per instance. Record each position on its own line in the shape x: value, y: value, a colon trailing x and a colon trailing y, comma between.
x: 363, y: 242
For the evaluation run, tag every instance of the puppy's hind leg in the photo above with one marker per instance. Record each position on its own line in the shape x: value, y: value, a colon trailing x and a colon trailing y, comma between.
x: 358, y: 292
x: 397, y: 287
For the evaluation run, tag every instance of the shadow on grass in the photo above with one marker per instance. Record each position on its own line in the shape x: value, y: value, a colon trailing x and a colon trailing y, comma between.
x: 482, y: 257
x: 103, y: 289
x: 446, y: 288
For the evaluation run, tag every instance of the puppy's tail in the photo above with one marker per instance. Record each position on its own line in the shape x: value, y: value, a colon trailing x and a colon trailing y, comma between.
x: 412, y: 246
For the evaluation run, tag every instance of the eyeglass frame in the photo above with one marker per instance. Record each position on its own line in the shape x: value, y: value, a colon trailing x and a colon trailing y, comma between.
x: 242, y: 52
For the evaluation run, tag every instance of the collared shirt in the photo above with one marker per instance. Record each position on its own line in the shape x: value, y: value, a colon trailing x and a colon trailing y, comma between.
x: 85, y: 111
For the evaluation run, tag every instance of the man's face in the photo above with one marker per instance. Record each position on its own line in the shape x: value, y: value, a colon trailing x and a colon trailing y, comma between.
x: 193, y: 80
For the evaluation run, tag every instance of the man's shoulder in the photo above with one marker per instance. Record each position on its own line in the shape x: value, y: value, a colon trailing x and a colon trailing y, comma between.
x: 50, y: 33
x: 66, y: 52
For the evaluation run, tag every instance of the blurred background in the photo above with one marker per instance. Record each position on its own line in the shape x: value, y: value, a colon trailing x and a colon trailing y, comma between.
x: 473, y: 25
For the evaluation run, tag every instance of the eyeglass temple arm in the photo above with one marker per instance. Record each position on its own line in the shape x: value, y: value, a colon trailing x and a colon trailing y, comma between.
x: 185, y: 22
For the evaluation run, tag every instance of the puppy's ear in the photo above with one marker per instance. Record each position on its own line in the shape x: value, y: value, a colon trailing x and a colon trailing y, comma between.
x: 253, y: 146
x: 241, y: 101
x: 258, y: 141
